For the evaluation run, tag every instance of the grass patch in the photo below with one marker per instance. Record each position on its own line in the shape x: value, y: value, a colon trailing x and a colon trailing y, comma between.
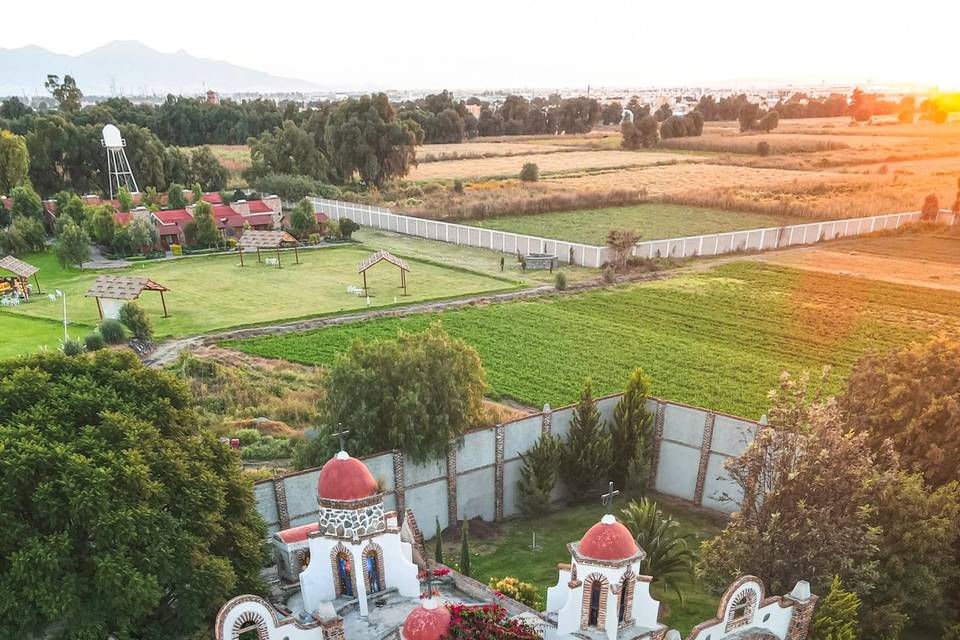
x: 21, y: 334
x: 651, y: 220
x: 716, y: 339
x: 510, y: 555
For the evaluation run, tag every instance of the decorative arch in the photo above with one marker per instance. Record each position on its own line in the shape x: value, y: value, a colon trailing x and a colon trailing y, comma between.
x: 336, y: 554
x: 741, y: 608
x: 253, y: 613
x: 626, y: 588
x: 378, y: 581
x: 590, y: 583
x: 249, y: 619
x: 303, y: 559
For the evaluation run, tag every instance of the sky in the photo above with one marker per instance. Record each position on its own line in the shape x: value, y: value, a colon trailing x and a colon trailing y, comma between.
x: 432, y: 44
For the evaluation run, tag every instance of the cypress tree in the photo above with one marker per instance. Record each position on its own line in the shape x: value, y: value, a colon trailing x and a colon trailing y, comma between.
x: 438, y: 540
x: 837, y: 615
x: 585, y: 458
x: 630, y: 441
x: 465, y: 548
x: 538, y: 475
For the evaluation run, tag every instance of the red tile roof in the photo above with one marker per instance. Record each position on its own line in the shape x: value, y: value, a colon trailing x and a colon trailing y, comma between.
x: 298, y: 534
x: 259, y: 219
x: 212, y: 197
x: 173, y: 216
x: 259, y: 206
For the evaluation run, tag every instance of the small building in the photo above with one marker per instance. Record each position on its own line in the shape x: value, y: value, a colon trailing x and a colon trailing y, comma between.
x: 18, y: 280
x: 112, y: 292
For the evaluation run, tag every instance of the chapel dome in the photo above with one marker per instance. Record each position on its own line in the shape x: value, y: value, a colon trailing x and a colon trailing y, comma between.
x: 345, y: 478
x: 608, y: 540
x: 429, y: 621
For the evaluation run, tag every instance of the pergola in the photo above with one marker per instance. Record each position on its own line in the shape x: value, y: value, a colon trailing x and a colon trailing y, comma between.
x: 21, y: 271
x: 379, y: 256
x: 258, y: 239
x: 124, y: 288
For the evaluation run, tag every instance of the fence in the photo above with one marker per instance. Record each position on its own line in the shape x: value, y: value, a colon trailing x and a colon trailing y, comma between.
x: 479, y: 477
x: 587, y: 255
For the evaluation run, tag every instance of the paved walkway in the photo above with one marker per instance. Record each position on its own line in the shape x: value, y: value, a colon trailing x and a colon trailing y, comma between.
x: 98, y: 261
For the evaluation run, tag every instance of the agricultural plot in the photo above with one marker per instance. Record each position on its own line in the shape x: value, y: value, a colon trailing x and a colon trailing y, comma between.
x: 214, y: 292
x: 717, y: 339
x: 650, y: 220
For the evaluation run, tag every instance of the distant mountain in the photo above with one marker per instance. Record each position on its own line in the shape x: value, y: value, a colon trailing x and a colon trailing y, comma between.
x: 134, y: 68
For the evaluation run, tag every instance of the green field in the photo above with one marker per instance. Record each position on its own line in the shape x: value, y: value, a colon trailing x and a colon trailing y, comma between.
x: 214, y: 292
x: 717, y: 339
x: 652, y: 221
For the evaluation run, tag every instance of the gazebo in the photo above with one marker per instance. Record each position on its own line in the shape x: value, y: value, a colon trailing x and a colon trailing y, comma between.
x: 380, y: 256
x: 258, y: 239
x: 19, y: 281
x: 112, y: 292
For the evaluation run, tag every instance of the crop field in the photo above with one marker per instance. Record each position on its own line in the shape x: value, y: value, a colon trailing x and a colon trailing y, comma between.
x: 213, y: 292
x: 650, y: 220
x: 718, y: 338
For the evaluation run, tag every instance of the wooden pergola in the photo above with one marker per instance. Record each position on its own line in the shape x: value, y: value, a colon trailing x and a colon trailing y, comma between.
x: 259, y: 239
x: 124, y: 288
x: 21, y: 273
x: 379, y: 256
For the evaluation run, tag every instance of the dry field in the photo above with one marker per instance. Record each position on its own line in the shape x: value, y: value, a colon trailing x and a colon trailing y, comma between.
x: 472, y: 150
x: 548, y: 163
x: 927, y: 260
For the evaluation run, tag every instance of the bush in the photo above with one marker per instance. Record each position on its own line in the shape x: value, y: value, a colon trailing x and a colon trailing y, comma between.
x: 458, y: 186
x: 560, y: 281
x: 314, y: 238
x: 347, y: 227
x: 931, y: 207
x: 176, y: 250
x: 609, y: 275
x: 763, y: 148
x: 289, y: 187
x: 112, y: 331
x: 72, y: 348
x: 530, y: 172
x: 522, y: 592
x: 135, y: 318
x: 93, y: 341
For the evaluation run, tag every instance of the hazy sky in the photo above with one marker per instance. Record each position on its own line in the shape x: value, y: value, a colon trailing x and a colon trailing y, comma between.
x: 494, y: 43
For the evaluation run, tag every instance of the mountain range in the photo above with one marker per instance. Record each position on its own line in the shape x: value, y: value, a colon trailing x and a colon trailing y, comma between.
x: 129, y: 67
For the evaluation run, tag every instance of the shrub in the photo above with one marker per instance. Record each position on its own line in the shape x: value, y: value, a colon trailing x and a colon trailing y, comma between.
x: 472, y: 622
x: 538, y: 475
x: 72, y: 348
x: 837, y: 616
x: 176, y: 249
x: 465, y: 547
x: 314, y: 238
x: 522, y: 592
x: 347, y: 227
x: 135, y: 318
x: 560, y: 281
x: 112, y: 331
x: 763, y: 148
x: 930, y: 209
x: 670, y: 553
x: 609, y: 275
x: 458, y: 186
x: 530, y: 172
x: 93, y: 341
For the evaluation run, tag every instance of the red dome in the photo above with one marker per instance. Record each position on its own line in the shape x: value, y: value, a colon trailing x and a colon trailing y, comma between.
x: 345, y: 478
x: 429, y: 621
x: 608, y: 540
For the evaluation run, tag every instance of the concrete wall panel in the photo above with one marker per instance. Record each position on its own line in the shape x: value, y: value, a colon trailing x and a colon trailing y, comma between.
x: 684, y: 424
x: 677, y: 470
x: 478, y: 450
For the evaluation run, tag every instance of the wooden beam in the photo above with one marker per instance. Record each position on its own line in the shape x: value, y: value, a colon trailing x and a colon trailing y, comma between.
x: 278, y: 256
x: 296, y: 253
x: 365, y: 283
x: 99, y: 308
x: 37, y: 280
x: 258, y: 254
x: 241, y: 254
x: 164, y: 303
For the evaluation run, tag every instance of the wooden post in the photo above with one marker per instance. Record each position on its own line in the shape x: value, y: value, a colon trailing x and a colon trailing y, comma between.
x: 403, y: 280
x: 278, y: 256
x: 164, y: 303
x: 296, y: 253
x: 241, y: 254
x: 37, y: 280
x: 99, y: 308
x: 365, y: 282
x: 258, y: 254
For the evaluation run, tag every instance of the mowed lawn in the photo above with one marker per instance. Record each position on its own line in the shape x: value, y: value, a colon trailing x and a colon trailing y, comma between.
x: 510, y: 555
x: 214, y: 292
x: 651, y: 220
x: 20, y: 334
x: 717, y: 339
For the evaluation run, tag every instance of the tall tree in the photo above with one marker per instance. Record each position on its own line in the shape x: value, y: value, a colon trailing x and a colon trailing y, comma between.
x: 538, y: 476
x: 631, y: 441
x: 206, y: 228
x: 101, y: 224
x: 66, y: 93
x: 73, y: 245
x: 302, y: 219
x: 26, y: 203
x: 585, y: 458
x: 14, y: 161
x: 207, y: 170
x: 465, y: 547
x: 135, y: 521
x: 288, y: 150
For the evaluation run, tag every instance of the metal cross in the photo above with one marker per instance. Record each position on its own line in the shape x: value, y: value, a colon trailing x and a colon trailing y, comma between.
x: 343, y: 437
x: 608, y: 497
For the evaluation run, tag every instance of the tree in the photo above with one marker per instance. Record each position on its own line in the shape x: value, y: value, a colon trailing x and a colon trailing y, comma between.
x: 695, y: 120
x: 670, y: 553
x: 73, y: 208
x: 291, y: 188
x: 101, y: 224
x: 449, y: 127
x: 23, y: 236
x: 66, y: 93
x: 120, y: 468
x: 125, y: 199
x: 207, y: 170
x: 769, y: 121
x: 417, y: 392
x: 612, y: 113
x: 538, y: 476
x: 175, y: 199
x: 911, y: 397
x: 673, y: 127
x: 584, y: 459
x: 621, y: 242
x: 630, y: 136
x: 930, y: 208
x: 206, y: 228
x: 837, y: 614
x: 530, y: 172
x: 365, y: 137
x: 747, y: 116
x: 663, y: 112
x: 26, y: 203
x: 438, y: 543
x: 302, y: 219
x: 136, y: 320
x: 14, y: 161
x: 465, y: 547
x: 631, y: 440
x: 142, y: 235
x: 72, y: 246
x: 649, y: 134
x: 346, y: 228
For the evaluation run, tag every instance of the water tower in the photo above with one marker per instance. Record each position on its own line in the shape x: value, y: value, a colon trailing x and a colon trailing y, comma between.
x: 118, y: 167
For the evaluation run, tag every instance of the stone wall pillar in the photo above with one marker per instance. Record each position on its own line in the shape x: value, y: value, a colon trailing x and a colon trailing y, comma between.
x: 333, y: 629
x: 451, y: 483
x: 657, y: 441
x: 705, y: 447
x: 399, y: 490
x: 800, y: 620
x: 280, y: 495
x: 498, y: 436
x: 546, y: 420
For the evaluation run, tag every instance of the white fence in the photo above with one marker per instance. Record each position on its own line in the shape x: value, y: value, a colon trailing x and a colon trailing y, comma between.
x: 592, y: 256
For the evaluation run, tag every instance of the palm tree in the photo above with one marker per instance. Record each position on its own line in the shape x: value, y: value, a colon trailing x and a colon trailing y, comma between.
x: 670, y: 554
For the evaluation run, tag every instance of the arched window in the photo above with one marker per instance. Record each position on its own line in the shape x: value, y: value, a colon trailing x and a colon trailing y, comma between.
x: 593, y: 607
x: 741, y: 609
x: 250, y: 623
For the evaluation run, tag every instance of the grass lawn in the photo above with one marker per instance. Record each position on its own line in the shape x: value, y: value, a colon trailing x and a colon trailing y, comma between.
x: 214, y: 292
x: 510, y: 555
x: 651, y: 220
x: 20, y: 334
x: 718, y: 338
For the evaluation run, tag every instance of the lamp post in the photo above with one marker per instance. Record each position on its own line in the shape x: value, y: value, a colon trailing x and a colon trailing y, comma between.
x: 53, y: 298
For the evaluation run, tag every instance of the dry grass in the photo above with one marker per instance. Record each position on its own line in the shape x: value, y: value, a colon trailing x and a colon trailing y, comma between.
x: 747, y: 143
x: 477, y: 150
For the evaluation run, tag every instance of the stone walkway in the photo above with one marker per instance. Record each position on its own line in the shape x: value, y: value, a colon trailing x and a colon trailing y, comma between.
x: 98, y: 261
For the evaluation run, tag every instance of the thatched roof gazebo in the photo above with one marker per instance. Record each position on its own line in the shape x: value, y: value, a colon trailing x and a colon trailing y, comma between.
x: 114, y: 291
x: 21, y: 274
x: 380, y: 256
x: 262, y: 239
